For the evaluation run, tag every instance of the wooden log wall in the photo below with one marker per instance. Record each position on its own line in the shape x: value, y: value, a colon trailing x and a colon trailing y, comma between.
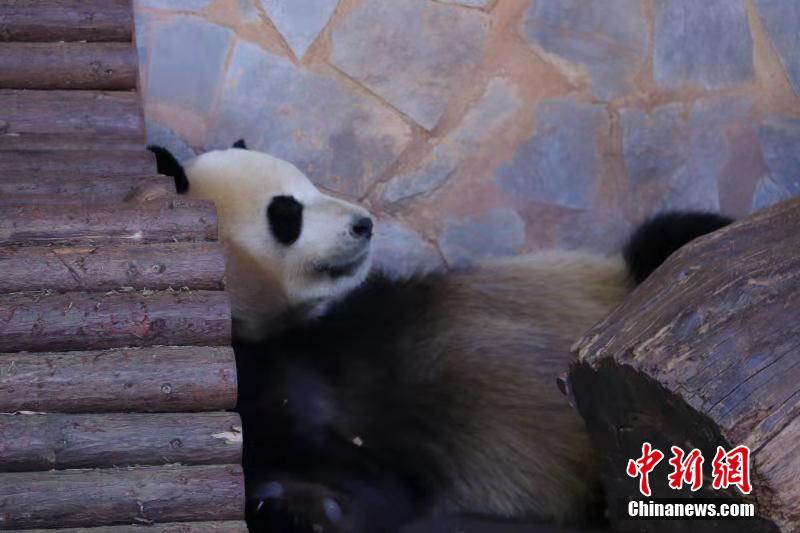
x: 116, y: 372
x: 705, y: 353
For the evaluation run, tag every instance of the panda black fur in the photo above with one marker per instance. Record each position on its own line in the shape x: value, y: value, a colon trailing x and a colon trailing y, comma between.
x: 436, y: 394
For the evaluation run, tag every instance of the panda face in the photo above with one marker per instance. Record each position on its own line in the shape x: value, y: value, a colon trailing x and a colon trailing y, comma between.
x: 323, y: 243
x: 284, y: 239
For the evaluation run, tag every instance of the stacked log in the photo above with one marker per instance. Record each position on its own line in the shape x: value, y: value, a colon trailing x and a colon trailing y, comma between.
x: 70, y: 120
x: 145, y: 495
x: 67, y: 20
x: 116, y: 372
x: 704, y: 354
x: 62, y: 167
x: 106, y: 66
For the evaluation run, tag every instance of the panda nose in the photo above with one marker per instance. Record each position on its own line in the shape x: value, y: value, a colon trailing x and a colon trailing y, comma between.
x: 362, y: 228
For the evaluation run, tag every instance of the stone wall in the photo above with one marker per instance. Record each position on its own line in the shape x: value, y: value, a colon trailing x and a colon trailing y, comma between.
x: 482, y: 128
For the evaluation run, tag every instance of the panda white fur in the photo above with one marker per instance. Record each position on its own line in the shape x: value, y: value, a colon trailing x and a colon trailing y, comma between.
x: 412, y: 397
x: 287, y: 245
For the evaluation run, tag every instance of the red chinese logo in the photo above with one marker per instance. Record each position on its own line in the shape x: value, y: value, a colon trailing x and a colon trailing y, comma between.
x: 728, y: 468
x: 642, y: 466
x: 686, y: 469
x: 732, y: 468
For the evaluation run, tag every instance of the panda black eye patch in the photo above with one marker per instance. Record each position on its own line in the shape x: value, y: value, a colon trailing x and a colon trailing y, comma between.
x: 285, y: 217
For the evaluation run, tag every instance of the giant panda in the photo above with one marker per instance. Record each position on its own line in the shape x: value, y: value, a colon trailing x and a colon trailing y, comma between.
x: 287, y: 245
x: 408, y: 398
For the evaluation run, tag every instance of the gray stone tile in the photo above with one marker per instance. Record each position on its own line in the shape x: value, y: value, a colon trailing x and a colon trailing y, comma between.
x: 685, y: 157
x: 174, y: 5
x: 161, y: 135
x: 402, y: 252
x: 498, y: 105
x: 468, y: 3
x: 608, y: 37
x: 341, y: 139
x: 704, y: 43
x: 416, y: 54
x: 248, y: 10
x: 142, y: 29
x: 782, y: 22
x: 696, y: 184
x: 767, y: 193
x: 186, y: 62
x: 654, y: 145
x: 300, y: 21
x: 594, y: 232
x: 498, y: 233
x: 780, y: 144
x: 560, y: 163
x: 437, y: 169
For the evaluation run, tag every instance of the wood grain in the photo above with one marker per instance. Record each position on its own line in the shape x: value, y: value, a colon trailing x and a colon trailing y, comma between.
x: 57, y: 442
x: 70, y: 120
x: 197, y: 266
x: 79, y: 191
x: 177, y: 219
x: 66, y: 20
x: 157, y: 379
x: 704, y: 354
x: 101, y: 66
x: 183, y: 527
x: 231, y: 526
x: 61, y: 167
x: 145, y: 495
x: 89, y: 321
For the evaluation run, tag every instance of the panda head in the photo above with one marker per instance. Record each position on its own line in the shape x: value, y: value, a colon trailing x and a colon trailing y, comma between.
x: 287, y: 244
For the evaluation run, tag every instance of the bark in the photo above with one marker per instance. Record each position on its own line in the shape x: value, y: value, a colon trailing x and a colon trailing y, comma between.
x: 145, y: 495
x: 95, y: 321
x: 70, y: 120
x: 705, y: 354
x: 159, y: 379
x: 197, y: 266
x: 58, y: 168
x: 103, y: 66
x: 57, y: 442
x: 66, y: 20
x: 175, y: 219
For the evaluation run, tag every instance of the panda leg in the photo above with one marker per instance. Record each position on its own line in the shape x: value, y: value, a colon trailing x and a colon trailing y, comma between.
x: 297, y: 507
x: 354, y: 506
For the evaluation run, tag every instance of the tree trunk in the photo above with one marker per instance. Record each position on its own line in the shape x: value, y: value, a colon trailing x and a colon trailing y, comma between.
x: 705, y: 353
x: 66, y: 20
x: 70, y: 120
x: 166, y: 220
x: 78, y: 498
x: 94, y: 321
x: 78, y: 191
x: 58, y: 168
x: 104, y: 66
x: 184, y: 527
x: 57, y: 442
x: 197, y: 266
x: 158, y: 379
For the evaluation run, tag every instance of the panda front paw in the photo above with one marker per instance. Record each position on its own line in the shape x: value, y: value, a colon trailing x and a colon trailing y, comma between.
x: 296, y: 507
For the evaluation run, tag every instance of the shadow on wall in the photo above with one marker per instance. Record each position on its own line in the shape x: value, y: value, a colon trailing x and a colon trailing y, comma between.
x: 479, y: 128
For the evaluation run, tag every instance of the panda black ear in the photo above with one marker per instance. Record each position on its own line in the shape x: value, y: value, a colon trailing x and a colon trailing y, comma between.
x: 285, y: 218
x: 167, y: 165
x: 240, y: 144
